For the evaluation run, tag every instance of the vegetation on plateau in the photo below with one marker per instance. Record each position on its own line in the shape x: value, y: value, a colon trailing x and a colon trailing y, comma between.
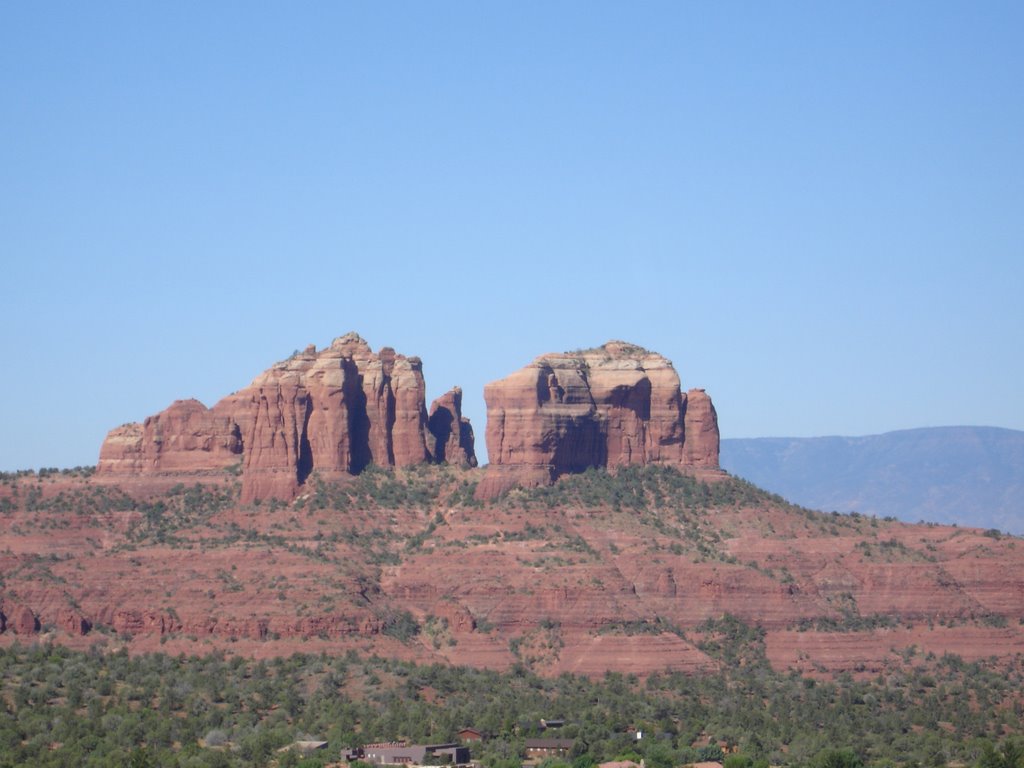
x: 60, y: 707
x: 108, y: 708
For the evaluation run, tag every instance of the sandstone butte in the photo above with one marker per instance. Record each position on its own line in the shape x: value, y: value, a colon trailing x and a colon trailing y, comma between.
x: 162, y: 549
x: 612, y: 406
x: 336, y: 412
x: 344, y: 408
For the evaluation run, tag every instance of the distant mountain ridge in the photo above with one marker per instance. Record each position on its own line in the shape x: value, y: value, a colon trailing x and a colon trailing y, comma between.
x: 963, y: 475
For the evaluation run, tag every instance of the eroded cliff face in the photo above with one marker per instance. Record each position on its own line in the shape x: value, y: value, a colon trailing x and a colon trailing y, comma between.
x: 336, y: 411
x: 184, y: 437
x: 612, y: 406
x: 559, y: 585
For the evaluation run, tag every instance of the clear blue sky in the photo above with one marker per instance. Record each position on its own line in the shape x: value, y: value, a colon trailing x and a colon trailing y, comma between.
x: 816, y: 210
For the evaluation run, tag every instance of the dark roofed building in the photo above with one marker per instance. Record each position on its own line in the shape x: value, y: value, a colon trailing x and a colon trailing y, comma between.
x: 541, y: 748
x: 400, y: 753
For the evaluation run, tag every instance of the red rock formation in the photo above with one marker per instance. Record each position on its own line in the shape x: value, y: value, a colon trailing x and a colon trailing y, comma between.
x: 23, y: 620
x: 459, y: 620
x: 606, y: 407
x: 133, y: 621
x: 73, y: 622
x: 573, y: 584
x: 334, y: 411
x: 394, y: 384
x: 273, y: 414
x: 700, y: 448
x: 187, y: 436
x: 451, y: 432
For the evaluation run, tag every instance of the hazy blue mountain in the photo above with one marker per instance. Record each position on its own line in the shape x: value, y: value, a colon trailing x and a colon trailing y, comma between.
x: 965, y: 475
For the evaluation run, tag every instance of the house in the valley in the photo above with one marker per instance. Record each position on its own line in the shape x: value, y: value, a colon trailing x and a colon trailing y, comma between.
x: 401, y: 753
x: 538, y: 749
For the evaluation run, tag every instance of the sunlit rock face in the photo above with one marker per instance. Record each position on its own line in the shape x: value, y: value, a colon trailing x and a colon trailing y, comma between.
x: 611, y: 406
x: 334, y: 411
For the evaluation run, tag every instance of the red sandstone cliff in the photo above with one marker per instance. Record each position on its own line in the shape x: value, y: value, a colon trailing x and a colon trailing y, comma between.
x: 558, y: 585
x: 700, y: 425
x: 607, y: 407
x: 185, y: 436
x: 335, y: 411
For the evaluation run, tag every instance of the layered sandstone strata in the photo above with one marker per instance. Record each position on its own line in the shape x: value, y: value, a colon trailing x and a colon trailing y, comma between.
x: 335, y: 412
x: 612, y: 406
x: 185, y: 436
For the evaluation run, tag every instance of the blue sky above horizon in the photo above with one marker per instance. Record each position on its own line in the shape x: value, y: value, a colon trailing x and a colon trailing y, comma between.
x: 815, y: 210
